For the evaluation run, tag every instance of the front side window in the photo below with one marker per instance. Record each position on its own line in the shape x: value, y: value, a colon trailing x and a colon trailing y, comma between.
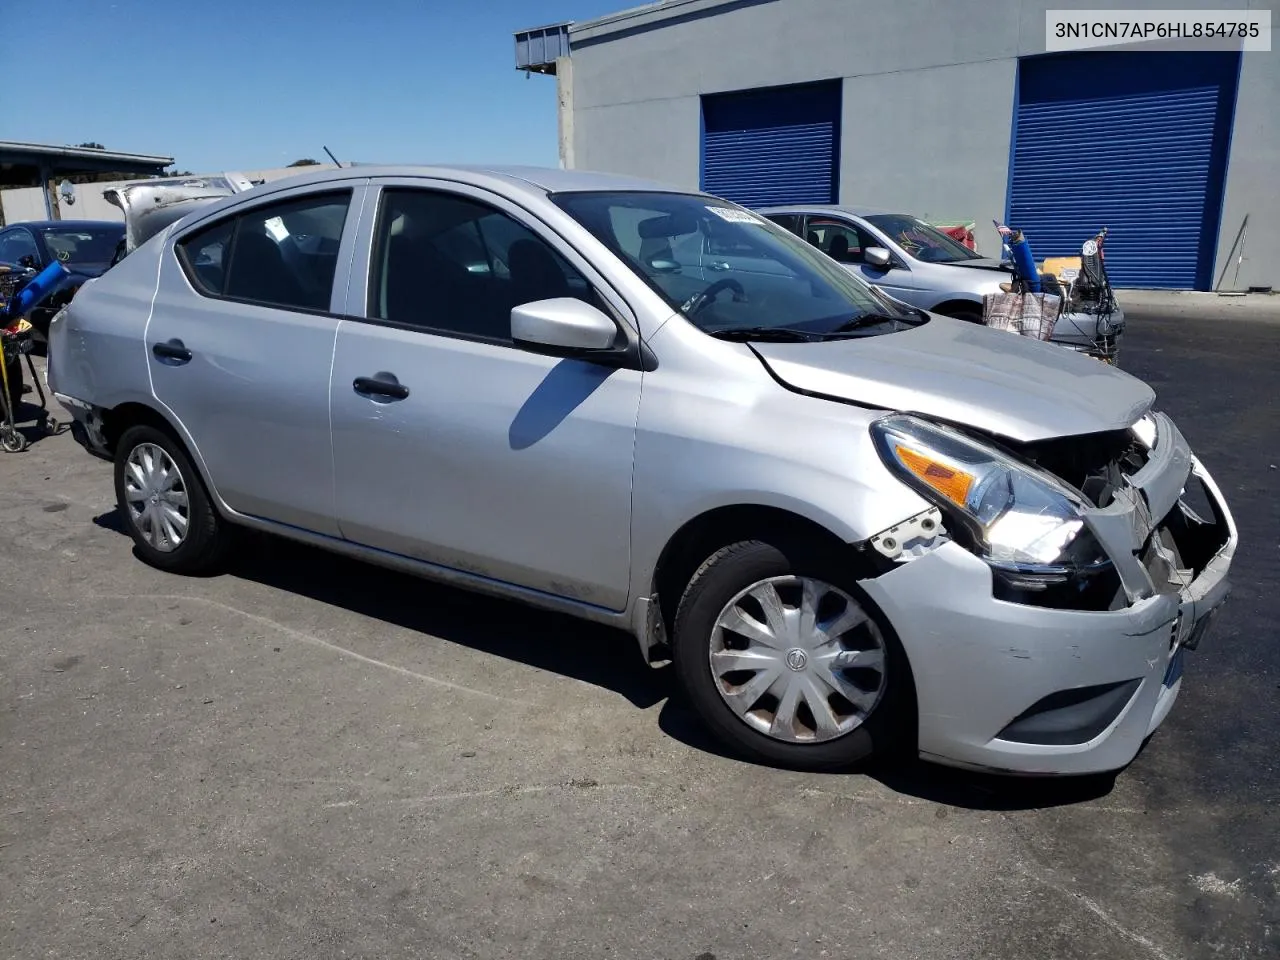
x: 842, y: 242
x: 920, y: 240
x: 450, y: 264
x: 774, y: 282
x: 280, y: 254
x: 16, y: 244
x: 83, y: 245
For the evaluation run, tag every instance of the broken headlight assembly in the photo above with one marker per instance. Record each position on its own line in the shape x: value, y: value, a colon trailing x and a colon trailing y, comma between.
x: 1146, y: 431
x: 1025, y: 523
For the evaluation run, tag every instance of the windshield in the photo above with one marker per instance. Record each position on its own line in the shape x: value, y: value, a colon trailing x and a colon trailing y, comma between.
x: 727, y: 269
x: 96, y: 244
x: 920, y: 240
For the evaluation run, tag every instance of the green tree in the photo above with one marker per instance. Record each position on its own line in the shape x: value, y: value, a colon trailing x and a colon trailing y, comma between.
x: 305, y: 162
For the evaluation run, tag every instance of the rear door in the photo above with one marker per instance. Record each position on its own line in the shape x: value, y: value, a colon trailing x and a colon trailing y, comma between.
x: 454, y: 445
x: 240, y: 342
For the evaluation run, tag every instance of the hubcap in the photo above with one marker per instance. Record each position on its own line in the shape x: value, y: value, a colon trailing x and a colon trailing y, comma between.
x: 156, y: 496
x: 798, y: 659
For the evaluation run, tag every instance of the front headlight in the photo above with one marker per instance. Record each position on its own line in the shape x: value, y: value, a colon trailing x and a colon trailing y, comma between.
x: 1018, y: 517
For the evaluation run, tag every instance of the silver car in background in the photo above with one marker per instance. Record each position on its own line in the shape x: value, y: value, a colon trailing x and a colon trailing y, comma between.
x: 853, y: 526
x: 920, y: 265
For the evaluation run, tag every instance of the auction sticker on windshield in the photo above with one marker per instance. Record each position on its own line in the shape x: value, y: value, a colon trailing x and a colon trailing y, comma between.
x: 736, y: 216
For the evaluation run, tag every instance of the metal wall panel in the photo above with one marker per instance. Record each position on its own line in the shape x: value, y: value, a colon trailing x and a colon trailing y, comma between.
x: 778, y: 145
x: 1135, y: 142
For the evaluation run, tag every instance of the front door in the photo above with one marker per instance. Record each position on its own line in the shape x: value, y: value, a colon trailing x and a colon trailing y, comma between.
x: 453, y: 445
x: 240, y: 342
x: 845, y: 241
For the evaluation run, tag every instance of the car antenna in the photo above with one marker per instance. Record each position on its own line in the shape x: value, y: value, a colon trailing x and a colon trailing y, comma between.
x: 332, y: 157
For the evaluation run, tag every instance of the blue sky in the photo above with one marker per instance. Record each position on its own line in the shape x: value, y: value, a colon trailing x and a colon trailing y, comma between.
x: 252, y: 85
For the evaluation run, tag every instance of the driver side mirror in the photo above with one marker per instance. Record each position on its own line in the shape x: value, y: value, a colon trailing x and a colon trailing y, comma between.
x: 877, y: 257
x: 563, y: 327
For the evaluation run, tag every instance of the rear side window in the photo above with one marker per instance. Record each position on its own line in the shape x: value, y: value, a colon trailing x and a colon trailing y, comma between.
x: 205, y: 256
x: 280, y: 254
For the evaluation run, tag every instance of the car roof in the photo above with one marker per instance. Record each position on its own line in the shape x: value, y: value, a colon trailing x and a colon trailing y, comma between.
x: 69, y: 224
x: 854, y: 210
x: 527, y: 178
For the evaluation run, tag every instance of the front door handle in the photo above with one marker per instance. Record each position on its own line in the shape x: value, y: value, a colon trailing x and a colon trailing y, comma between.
x: 380, y: 385
x: 174, y: 350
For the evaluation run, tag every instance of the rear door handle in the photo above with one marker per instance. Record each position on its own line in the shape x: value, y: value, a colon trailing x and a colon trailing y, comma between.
x: 174, y: 350
x: 719, y: 266
x: 380, y: 385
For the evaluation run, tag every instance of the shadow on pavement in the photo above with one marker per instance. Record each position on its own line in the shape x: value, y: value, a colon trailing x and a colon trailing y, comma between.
x: 33, y: 423
x: 597, y: 655
x: 927, y: 781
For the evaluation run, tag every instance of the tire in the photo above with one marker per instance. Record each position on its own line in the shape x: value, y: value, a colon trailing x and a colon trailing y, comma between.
x: 968, y: 316
x: 206, y: 538
x: 885, y: 721
x: 12, y: 440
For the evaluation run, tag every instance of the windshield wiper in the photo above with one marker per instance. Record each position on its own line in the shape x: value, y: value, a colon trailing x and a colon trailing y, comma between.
x: 779, y: 334
x: 864, y: 320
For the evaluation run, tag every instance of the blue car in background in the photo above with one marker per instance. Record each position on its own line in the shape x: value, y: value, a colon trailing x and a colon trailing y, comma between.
x: 85, y: 247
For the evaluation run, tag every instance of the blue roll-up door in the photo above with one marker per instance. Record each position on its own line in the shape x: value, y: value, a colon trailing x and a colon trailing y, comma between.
x: 774, y: 145
x: 1135, y: 142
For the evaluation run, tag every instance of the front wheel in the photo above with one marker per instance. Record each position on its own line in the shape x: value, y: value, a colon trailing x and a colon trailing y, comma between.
x: 165, y: 506
x: 785, y: 663
x: 968, y: 315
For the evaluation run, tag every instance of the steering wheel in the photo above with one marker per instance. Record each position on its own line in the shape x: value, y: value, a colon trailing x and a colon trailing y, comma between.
x: 700, y: 300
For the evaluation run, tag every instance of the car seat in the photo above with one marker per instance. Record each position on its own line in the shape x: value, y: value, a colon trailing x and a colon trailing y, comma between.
x: 839, y: 249
x: 258, y: 272
x: 425, y: 288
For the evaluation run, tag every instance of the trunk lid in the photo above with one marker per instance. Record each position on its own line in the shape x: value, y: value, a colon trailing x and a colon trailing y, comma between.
x: 151, y: 205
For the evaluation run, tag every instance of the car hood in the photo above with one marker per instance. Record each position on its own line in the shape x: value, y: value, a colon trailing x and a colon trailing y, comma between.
x: 151, y: 205
x: 950, y: 370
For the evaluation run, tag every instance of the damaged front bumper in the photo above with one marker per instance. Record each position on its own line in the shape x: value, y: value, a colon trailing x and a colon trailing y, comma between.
x: 1034, y: 690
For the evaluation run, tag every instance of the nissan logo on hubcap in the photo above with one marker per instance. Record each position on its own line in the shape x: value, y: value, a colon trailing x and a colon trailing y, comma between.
x: 797, y: 659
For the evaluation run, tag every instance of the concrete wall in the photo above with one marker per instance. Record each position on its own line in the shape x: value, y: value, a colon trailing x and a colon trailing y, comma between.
x: 928, y: 98
x: 1253, y: 172
x: 26, y: 203
x: 22, y: 203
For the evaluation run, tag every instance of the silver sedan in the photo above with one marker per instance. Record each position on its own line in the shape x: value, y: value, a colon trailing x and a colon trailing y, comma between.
x: 855, y: 527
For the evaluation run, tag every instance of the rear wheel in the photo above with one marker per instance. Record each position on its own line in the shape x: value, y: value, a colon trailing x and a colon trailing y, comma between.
x: 165, y: 505
x: 784, y: 661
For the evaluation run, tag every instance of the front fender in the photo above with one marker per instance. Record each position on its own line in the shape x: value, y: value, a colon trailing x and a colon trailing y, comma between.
x: 810, y: 457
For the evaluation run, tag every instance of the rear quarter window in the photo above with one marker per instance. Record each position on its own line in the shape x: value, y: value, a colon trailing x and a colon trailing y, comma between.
x: 204, y: 254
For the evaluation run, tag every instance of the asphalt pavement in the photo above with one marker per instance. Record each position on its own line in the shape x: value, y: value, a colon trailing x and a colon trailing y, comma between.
x: 309, y: 758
